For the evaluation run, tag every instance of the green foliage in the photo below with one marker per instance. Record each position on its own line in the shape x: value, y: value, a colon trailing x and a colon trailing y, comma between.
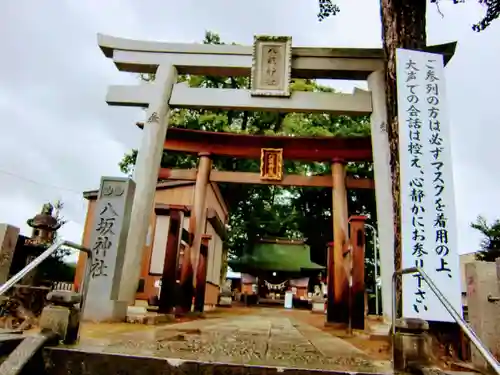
x: 490, y: 244
x: 258, y: 211
x: 327, y: 8
x: 128, y: 161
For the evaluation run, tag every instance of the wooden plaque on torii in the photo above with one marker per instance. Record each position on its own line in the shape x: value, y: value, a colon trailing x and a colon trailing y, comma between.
x: 271, y: 164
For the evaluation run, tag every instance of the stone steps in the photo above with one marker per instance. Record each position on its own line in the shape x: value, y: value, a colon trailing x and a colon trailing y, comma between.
x: 64, y: 361
x: 36, y: 358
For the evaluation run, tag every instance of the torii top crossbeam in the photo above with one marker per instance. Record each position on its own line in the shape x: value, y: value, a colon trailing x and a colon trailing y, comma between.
x: 230, y: 60
x: 235, y: 60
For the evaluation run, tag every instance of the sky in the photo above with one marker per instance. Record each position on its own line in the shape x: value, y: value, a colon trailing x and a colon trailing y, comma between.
x: 58, y: 136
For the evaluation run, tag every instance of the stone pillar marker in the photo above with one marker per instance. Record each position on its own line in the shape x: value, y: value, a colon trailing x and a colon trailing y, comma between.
x: 8, y: 241
x: 108, y: 242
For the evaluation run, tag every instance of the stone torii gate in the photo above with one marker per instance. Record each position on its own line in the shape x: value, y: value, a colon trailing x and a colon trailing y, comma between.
x: 271, y: 62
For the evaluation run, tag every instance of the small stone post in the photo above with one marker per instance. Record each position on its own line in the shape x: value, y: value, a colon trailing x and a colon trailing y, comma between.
x: 108, y: 241
x: 411, y: 344
x: 62, y: 315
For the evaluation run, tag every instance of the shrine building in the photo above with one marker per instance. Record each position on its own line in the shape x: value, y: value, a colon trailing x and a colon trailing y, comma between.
x: 275, y: 266
x: 172, y: 196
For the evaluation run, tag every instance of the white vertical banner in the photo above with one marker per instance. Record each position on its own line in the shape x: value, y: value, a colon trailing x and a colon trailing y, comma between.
x: 428, y: 223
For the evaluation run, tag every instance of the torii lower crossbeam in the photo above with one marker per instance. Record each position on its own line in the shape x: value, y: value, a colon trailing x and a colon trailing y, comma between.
x: 254, y: 178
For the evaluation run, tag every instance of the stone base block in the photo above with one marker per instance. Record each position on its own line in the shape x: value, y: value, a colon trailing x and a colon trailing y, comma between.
x: 380, y: 331
x: 150, y: 318
x: 411, y: 344
x: 209, y: 307
x: 137, y: 310
x: 62, y: 320
x: 141, y: 302
x: 225, y: 301
x: 318, y: 307
x: 105, y: 311
x: 64, y: 297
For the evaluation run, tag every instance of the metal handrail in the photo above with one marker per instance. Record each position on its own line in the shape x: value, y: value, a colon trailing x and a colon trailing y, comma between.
x: 36, y: 262
x: 449, y: 307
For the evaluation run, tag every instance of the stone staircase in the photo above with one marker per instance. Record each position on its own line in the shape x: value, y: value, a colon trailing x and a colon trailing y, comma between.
x: 41, y: 354
x: 265, y: 341
x: 32, y: 357
x: 55, y: 360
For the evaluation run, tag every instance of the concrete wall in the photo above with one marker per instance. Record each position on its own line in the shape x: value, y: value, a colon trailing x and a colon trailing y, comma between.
x: 483, y: 280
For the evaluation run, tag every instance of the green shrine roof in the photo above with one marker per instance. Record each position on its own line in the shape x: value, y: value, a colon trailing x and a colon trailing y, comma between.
x: 279, y: 256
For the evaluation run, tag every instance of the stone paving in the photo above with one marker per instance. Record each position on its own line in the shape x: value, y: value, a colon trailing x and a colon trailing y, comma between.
x: 268, y: 337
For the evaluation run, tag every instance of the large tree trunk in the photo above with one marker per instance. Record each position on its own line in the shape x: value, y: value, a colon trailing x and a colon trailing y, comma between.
x: 403, y: 26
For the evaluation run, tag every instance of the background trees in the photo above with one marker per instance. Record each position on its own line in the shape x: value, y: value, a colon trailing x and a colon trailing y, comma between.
x: 490, y: 244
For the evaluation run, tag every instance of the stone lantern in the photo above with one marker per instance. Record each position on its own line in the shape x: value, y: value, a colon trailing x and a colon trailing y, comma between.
x: 44, y: 227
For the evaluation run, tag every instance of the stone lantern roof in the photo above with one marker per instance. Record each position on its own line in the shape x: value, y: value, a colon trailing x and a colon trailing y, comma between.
x: 44, y: 220
x: 44, y: 227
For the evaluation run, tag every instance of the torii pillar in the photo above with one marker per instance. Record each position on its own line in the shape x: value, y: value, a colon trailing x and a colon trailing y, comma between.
x: 146, y: 172
x: 197, y: 222
x: 338, y: 283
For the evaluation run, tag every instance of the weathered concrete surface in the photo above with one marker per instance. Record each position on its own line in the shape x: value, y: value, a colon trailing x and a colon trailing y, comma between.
x: 268, y: 337
x: 484, y: 316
